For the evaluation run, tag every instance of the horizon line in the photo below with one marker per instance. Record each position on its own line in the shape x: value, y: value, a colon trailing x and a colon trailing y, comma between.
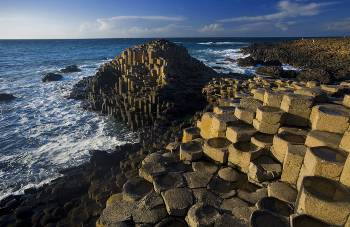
x: 195, y: 37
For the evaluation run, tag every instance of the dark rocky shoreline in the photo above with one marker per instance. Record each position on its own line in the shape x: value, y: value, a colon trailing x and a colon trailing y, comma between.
x: 156, y: 89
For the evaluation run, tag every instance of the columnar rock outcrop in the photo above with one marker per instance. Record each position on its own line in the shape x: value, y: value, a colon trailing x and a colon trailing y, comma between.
x: 157, y: 80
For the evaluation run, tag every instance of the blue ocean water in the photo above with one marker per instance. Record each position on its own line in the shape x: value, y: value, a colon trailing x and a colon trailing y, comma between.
x: 41, y: 131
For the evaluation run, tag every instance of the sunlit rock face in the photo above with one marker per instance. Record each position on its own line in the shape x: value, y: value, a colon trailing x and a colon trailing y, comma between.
x: 148, y: 82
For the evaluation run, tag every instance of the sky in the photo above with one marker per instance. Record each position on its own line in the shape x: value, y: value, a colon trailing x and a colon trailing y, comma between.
x: 56, y: 19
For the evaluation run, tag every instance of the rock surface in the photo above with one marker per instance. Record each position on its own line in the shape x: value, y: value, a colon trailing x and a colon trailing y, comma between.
x: 49, y: 77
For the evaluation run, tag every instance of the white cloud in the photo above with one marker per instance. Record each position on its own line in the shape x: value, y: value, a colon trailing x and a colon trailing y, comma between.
x: 132, y: 26
x: 285, y: 9
x: 341, y: 25
x: 212, y: 28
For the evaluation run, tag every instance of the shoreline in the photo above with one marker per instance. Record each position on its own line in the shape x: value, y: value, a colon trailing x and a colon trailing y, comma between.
x: 160, y: 134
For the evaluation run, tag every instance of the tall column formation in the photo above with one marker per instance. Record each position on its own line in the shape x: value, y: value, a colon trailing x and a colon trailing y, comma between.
x: 146, y: 82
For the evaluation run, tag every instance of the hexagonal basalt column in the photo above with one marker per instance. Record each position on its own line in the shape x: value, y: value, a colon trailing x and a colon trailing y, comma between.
x: 239, y: 132
x: 346, y: 101
x: 268, y: 114
x: 317, y: 138
x: 324, y: 199
x: 293, y: 160
x: 262, y: 140
x: 244, y: 114
x: 345, y: 176
x: 322, y: 161
x: 190, y: 134
x: 297, y: 108
x: 330, y: 118
x: 242, y: 153
x: 302, y: 220
x: 217, y: 149
x: 265, y: 127
x: 191, y: 151
x: 273, y: 99
x: 136, y: 188
x: 283, y: 141
x: 345, y: 142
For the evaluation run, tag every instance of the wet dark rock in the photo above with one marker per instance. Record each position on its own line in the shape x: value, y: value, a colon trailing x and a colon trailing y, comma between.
x: 4, y: 97
x: 248, y: 61
x: 319, y: 75
x: 70, y: 69
x: 49, y: 77
x: 273, y: 71
x: 276, y: 206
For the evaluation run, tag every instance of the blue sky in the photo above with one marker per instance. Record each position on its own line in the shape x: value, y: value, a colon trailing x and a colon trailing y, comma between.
x: 173, y: 18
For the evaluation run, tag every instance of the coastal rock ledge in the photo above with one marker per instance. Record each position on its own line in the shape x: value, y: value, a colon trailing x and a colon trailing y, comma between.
x: 157, y: 81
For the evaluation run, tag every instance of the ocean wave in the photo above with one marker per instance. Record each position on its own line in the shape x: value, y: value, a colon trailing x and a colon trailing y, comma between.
x: 222, y: 43
x: 43, y: 132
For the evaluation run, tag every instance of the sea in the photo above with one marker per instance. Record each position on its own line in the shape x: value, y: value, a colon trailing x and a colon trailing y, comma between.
x: 43, y: 132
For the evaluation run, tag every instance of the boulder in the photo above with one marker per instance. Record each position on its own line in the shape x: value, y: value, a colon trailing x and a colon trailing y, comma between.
x: 273, y: 71
x: 4, y: 97
x: 247, y: 61
x: 178, y: 201
x: 48, y: 77
x: 70, y: 69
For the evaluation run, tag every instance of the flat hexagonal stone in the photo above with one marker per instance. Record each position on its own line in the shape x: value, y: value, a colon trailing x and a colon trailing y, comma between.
x: 202, y: 215
x: 243, y: 213
x: 116, y: 212
x: 167, y: 181
x: 205, y: 167
x: 203, y: 195
x: 276, y: 206
x: 282, y: 191
x: 228, y: 220
x: 262, y: 140
x: 231, y: 203
x: 264, y: 218
x: 191, y: 151
x: 178, y: 201
x: 150, y: 170
x: 229, y: 174
x: 216, y: 149
x: 263, y: 169
x: 136, y: 188
x: 197, y: 179
x: 144, y: 214
x: 222, y: 188
x: 252, y: 197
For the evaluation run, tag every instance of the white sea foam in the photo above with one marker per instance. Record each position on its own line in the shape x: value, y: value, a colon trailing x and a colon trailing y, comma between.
x: 222, y: 43
x: 44, y: 132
